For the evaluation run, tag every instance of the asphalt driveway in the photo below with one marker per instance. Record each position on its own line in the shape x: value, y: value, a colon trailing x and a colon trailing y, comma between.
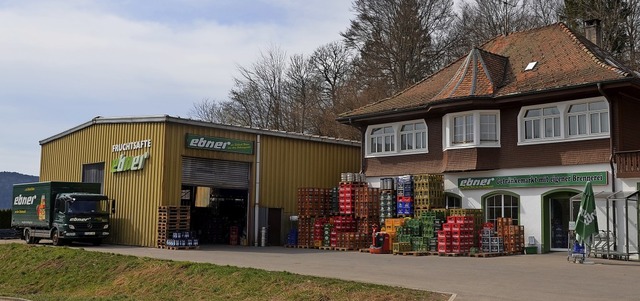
x: 517, y: 277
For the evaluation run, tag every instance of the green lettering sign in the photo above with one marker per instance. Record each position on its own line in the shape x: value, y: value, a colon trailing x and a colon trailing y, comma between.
x: 543, y: 180
x: 219, y: 144
x: 125, y: 163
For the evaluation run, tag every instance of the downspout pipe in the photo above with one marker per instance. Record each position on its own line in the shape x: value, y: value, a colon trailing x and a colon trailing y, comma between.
x: 612, y: 154
x: 256, y: 210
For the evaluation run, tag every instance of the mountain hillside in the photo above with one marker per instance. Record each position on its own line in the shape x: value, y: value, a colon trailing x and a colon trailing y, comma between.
x: 7, y: 179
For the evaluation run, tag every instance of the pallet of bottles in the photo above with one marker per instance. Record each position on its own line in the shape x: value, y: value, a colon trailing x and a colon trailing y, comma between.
x: 349, y: 193
x: 391, y: 225
x: 305, y: 232
x: 512, y: 235
x: 334, y: 201
x: 346, y: 241
x: 313, y: 201
x: 353, y: 177
x: 404, y: 186
x: 388, y: 205
x: 428, y: 191
x: 180, y: 240
x: 404, y: 206
x: 367, y: 204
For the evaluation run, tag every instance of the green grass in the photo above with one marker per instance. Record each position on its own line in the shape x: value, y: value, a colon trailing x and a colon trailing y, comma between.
x: 61, y: 273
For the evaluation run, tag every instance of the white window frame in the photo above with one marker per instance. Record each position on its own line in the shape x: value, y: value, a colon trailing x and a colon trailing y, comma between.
x: 397, y: 134
x: 565, y: 117
x: 473, y: 129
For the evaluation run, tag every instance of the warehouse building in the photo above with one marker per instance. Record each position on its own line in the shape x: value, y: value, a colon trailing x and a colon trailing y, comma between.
x: 517, y: 127
x: 232, y: 178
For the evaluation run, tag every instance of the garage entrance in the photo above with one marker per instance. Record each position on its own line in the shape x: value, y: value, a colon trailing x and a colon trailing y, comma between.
x: 218, y: 193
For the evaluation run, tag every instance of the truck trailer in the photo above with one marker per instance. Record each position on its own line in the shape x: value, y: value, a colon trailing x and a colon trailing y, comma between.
x: 61, y: 211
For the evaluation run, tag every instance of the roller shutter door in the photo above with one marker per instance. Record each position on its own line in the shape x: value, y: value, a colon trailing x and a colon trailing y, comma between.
x: 215, y: 173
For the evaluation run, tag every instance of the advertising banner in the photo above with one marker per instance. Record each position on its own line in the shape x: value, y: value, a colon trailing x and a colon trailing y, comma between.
x: 542, y: 180
x: 219, y: 144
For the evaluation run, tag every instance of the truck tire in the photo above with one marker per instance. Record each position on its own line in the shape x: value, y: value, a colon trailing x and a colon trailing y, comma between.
x: 55, y: 237
x: 28, y: 238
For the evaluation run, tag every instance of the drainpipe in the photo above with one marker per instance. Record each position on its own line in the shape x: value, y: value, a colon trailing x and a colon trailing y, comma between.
x: 256, y: 210
x: 611, y: 156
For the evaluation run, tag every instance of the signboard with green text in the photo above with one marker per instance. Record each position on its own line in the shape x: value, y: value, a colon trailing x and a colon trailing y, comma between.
x: 543, y: 180
x: 219, y: 144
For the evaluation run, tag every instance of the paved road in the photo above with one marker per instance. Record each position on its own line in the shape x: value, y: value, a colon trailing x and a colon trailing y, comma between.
x: 520, y: 277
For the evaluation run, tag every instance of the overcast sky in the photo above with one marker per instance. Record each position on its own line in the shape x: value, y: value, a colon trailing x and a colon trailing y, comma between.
x: 63, y: 63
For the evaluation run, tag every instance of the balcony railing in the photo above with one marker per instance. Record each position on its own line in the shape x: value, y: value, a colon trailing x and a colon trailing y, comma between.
x: 628, y: 164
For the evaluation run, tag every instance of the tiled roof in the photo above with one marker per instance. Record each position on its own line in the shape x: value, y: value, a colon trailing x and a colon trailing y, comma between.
x: 497, y: 69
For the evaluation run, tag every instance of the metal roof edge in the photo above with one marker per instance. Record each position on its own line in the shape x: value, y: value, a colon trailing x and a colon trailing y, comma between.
x: 167, y: 118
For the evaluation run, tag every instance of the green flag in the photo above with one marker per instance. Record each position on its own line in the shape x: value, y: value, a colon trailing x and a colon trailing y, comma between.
x: 587, y: 222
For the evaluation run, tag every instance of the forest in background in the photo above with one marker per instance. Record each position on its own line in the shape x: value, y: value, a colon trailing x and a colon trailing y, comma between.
x: 391, y: 45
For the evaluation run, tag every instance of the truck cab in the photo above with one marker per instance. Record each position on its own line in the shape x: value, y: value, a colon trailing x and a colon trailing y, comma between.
x: 80, y: 217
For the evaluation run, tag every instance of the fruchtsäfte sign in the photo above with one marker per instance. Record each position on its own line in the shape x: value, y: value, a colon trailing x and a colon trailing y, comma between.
x: 219, y: 144
x: 543, y: 180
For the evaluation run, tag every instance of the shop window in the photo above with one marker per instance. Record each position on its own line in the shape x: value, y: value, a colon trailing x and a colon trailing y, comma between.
x: 453, y: 201
x: 472, y: 129
x: 502, y: 205
x: 397, y: 138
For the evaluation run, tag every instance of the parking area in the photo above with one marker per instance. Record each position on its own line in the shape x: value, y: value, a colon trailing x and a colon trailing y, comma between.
x: 516, y: 277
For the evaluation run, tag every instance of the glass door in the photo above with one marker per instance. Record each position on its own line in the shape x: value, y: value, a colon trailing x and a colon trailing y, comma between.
x: 559, y: 213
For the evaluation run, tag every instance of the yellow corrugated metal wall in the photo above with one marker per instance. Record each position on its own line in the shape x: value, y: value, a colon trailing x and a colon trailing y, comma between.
x: 289, y: 164
x: 286, y: 165
x: 137, y: 193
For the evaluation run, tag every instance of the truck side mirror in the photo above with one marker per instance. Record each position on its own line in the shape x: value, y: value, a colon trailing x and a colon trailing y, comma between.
x: 113, y: 206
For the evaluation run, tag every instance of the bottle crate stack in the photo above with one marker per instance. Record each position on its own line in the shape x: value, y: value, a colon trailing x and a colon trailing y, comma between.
x: 512, y: 235
x: 404, y: 195
x: 334, y: 200
x: 490, y: 242
x: 478, y: 219
x: 292, y: 237
x: 388, y: 204
x: 367, y: 204
x: 428, y: 192
x: 431, y: 224
x: 174, y: 224
x: 347, y: 195
x: 456, y: 235
x: 319, y: 237
x: 313, y: 204
x: 352, y: 240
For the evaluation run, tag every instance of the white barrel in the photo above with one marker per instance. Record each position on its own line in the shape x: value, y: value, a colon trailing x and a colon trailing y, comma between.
x: 263, y: 241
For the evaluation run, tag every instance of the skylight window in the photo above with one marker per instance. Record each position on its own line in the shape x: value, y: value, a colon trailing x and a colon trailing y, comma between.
x: 530, y: 66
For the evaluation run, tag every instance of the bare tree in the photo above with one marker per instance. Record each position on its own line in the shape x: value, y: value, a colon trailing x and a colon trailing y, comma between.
x: 612, y: 15
x: 632, y: 26
x: 397, y: 40
x: 545, y: 12
x: 302, y: 90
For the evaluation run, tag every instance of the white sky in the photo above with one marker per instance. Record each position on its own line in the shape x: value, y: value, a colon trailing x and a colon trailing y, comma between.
x: 63, y: 63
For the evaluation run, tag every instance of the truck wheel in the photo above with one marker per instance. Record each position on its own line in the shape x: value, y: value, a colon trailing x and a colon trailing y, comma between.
x: 55, y: 237
x: 28, y: 238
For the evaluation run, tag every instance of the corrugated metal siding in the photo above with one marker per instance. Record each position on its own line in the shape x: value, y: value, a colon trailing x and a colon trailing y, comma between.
x: 288, y: 164
x: 215, y: 173
x: 137, y: 193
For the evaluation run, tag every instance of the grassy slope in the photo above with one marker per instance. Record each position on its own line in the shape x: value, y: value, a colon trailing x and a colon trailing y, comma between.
x: 60, y: 273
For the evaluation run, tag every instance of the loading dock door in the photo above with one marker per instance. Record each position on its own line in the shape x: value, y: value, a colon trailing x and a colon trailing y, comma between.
x: 215, y: 173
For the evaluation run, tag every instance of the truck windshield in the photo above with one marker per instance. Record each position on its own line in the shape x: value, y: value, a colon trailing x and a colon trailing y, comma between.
x: 88, y: 206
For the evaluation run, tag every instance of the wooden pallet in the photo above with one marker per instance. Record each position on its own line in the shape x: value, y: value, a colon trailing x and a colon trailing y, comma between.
x: 325, y: 248
x: 341, y: 249
x: 178, y: 247
x: 413, y: 253
x: 452, y: 254
x: 490, y: 254
x: 364, y: 250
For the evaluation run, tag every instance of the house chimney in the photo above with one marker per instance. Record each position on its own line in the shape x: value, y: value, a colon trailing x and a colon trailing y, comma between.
x: 593, y: 31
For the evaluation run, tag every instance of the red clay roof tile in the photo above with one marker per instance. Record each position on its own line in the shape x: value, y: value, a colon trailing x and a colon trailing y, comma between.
x: 497, y: 69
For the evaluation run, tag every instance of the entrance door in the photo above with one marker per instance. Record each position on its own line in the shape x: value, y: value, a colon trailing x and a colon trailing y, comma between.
x: 559, y: 213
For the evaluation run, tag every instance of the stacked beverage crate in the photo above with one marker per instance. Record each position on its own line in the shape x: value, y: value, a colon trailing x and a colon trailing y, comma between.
x: 334, y: 201
x: 404, y: 194
x: 478, y: 218
x: 292, y: 237
x: 428, y: 190
x: 512, y: 235
x: 388, y: 205
x: 313, y: 203
x: 431, y: 224
x: 326, y: 235
x: 347, y: 196
x: 490, y: 242
x: 457, y: 235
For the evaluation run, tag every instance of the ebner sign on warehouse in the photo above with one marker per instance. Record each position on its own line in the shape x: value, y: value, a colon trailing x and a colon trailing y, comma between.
x: 219, y: 144
x: 561, y: 179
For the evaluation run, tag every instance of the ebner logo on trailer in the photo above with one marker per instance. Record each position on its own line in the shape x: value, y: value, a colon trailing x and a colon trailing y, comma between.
x: 219, y: 144
x: 24, y: 200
